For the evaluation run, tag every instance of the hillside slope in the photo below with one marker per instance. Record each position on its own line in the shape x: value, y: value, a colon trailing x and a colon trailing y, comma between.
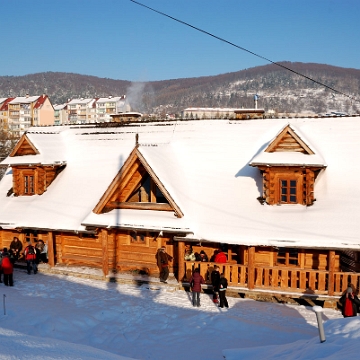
x: 279, y: 89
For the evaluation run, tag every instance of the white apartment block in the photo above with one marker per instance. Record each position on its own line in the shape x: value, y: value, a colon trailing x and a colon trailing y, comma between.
x: 109, y: 105
x: 60, y: 114
x: 81, y: 111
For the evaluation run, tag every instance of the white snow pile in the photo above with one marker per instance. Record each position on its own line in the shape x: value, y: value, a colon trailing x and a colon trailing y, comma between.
x: 64, y: 317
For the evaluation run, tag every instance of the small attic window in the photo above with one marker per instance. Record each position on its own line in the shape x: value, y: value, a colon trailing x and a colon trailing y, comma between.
x: 288, y: 191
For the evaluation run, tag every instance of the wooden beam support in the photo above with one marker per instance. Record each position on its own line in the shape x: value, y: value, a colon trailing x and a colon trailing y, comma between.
x: 140, y: 206
x: 50, y: 246
x: 105, y: 252
x: 331, y: 265
x: 251, y: 268
x: 181, y: 264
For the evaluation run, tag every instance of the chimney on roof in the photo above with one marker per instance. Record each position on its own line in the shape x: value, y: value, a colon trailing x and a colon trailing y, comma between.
x: 136, y: 140
x: 27, y: 95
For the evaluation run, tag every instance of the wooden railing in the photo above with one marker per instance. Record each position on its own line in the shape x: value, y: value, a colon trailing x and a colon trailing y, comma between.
x: 288, y: 279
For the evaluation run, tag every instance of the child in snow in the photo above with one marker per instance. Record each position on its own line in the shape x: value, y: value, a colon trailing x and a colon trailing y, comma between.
x: 215, y: 281
x: 196, y: 281
x: 222, y: 291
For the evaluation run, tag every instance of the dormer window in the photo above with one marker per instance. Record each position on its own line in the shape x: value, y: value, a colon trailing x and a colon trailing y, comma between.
x: 29, y: 185
x: 33, y: 180
x: 289, y: 168
x: 288, y: 191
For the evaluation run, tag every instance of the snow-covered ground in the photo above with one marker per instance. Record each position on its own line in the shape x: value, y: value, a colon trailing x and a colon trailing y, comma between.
x: 63, y: 317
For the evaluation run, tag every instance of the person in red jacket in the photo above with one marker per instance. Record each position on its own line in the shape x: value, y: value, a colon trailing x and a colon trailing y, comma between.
x: 7, y: 269
x: 220, y: 257
x: 30, y: 258
x: 350, y: 303
x: 195, y: 281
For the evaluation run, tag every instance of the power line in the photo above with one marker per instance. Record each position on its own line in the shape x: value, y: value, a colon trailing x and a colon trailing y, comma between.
x: 244, y: 49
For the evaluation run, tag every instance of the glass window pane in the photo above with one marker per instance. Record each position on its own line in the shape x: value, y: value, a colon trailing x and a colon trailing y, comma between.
x: 284, y: 183
x: 293, y: 191
x: 292, y: 198
x: 283, y: 191
x: 292, y: 183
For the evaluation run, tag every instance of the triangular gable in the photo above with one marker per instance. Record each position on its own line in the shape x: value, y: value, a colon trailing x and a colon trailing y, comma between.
x: 120, y: 193
x: 289, y: 141
x: 24, y: 147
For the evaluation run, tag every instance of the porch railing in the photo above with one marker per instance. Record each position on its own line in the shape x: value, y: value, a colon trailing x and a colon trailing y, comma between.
x: 287, y: 279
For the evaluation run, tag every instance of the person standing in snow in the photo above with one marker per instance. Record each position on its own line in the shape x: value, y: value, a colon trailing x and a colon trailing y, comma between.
x: 195, y: 281
x: 30, y: 258
x: 350, y: 303
x: 163, y: 259
x: 7, y: 269
x: 223, y: 284
x: 41, y: 251
x: 215, y: 281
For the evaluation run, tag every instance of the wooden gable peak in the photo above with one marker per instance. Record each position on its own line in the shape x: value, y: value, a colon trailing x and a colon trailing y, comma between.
x: 288, y: 141
x: 136, y: 186
x: 24, y: 147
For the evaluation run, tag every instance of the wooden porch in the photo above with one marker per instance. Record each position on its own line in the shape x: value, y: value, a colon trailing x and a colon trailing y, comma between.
x: 276, y: 278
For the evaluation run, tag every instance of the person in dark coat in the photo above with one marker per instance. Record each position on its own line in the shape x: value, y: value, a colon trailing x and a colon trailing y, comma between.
x: 350, y: 303
x: 163, y: 259
x: 7, y: 269
x: 16, y: 247
x: 195, y: 281
x: 222, y: 291
x: 202, y: 256
x: 215, y: 281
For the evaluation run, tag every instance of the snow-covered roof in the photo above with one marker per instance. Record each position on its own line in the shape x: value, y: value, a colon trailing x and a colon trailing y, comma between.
x: 205, y: 167
x: 80, y: 101
x: 24, y: 99
x: 110, y: 99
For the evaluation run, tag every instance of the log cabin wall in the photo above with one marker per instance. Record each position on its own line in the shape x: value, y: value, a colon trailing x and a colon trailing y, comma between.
x: 78, y: 249
x: 136, y: 251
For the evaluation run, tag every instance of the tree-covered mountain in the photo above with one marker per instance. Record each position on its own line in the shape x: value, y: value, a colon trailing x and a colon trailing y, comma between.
x: 279, y: 89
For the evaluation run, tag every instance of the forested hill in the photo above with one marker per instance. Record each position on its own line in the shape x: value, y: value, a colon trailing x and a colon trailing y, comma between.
x: 279, y: 89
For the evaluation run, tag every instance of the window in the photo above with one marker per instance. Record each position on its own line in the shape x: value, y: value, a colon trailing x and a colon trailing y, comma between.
x: 29, y: 188
x: 287, y: 257
x: 31, y: 236
x: 288, y: 191
x: 137, y: 238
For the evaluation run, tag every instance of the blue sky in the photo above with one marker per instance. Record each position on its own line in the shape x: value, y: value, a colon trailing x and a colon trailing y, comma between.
x: 119, y: 39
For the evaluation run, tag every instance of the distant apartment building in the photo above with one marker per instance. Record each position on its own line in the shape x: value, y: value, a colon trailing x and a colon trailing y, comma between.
x: 107, y: 106
x: 81, y: 111
x: 4, y: 113
x: 60, y: 114
x: 25, y: 111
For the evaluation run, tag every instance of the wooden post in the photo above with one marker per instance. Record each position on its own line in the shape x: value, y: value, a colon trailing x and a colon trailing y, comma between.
x: 251, y: 267
x: 331, y: 266
x: 105, y: 252
x: 181, y: 264
x: 50, y: 246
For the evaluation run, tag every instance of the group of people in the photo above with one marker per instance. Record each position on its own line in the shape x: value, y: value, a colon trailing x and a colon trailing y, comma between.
x: 218, y: 257
x: 219, y: 283
x: 33, y: 255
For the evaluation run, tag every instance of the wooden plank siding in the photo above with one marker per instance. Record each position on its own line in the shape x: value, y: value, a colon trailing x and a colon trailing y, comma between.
x: 115, y: 251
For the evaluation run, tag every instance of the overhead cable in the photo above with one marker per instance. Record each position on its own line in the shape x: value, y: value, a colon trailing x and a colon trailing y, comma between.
x: 244, y: 49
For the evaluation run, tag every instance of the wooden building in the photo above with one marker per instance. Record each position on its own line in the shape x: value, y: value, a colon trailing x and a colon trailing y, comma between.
x: 275, y: 196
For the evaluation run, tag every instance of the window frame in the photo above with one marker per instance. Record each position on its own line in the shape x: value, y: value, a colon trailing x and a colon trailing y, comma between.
x: 287, y: 257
